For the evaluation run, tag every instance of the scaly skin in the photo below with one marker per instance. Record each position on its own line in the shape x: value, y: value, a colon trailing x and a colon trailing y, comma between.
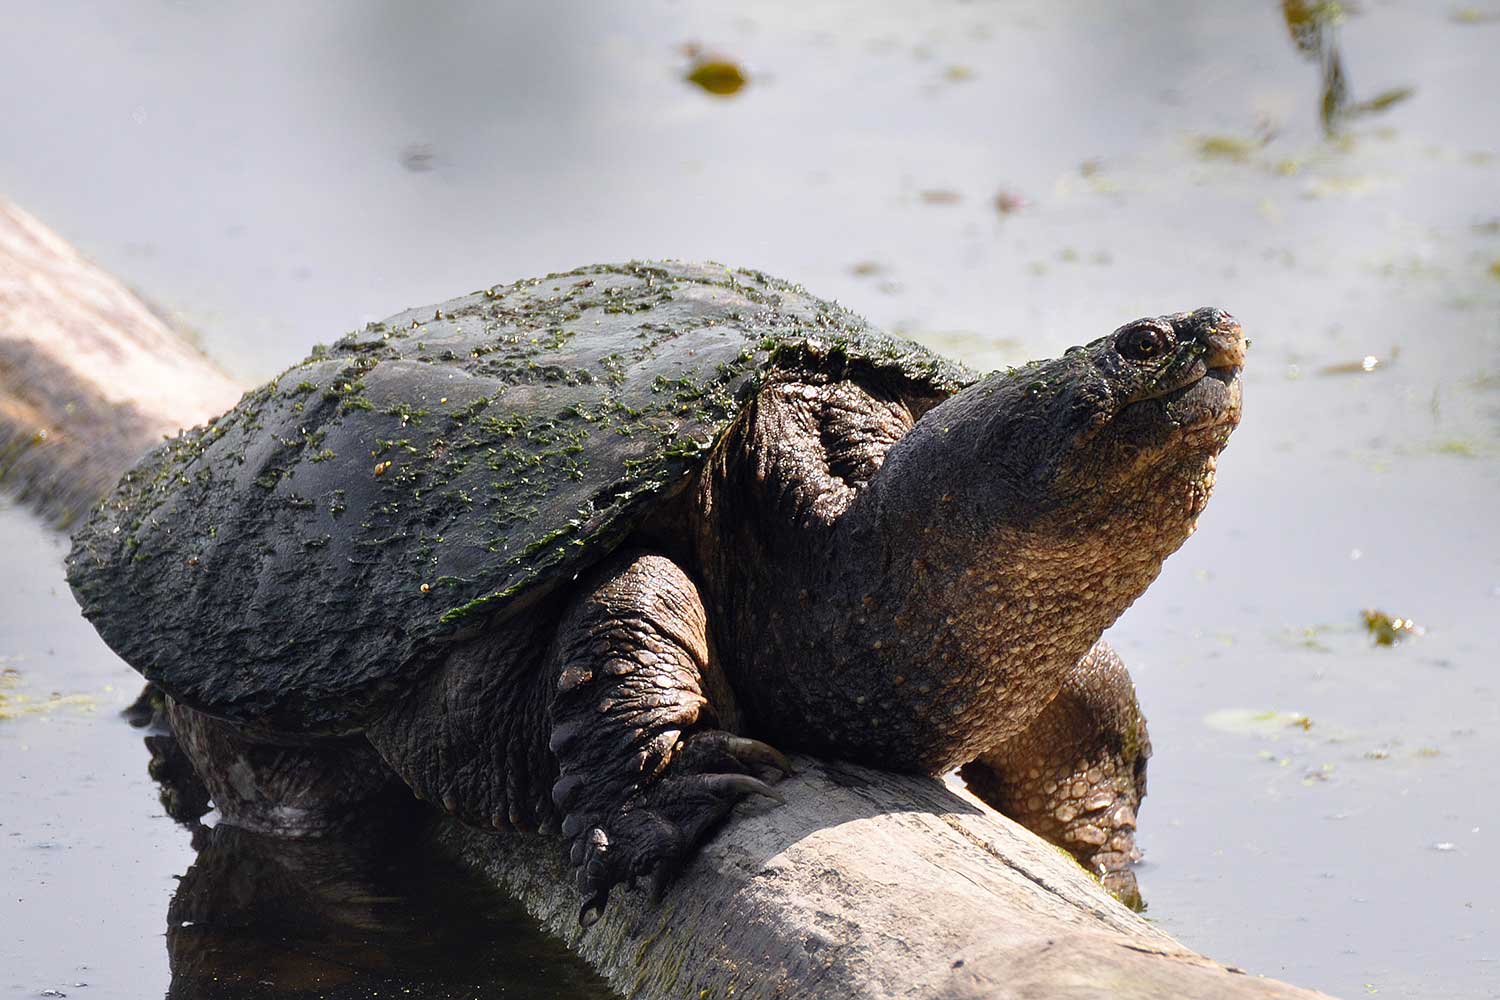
x: 1077, y: 774
x: 925, y: 618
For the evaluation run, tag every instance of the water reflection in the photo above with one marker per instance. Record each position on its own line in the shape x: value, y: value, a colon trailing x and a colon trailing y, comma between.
x: 369, y: 914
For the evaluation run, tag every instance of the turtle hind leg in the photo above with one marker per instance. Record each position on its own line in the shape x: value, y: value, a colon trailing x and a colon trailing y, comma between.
x: 646, y: 771
x: 149, y: 710
x: 1077, y: 774
x: 470, y: 736
x: 292, y: 788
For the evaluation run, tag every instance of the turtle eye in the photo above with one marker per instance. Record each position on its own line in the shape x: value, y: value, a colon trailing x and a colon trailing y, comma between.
x: 1143, y: 343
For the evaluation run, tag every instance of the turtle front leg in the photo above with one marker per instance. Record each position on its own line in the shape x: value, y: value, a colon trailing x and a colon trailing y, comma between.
x: 646, y: 771
x: 1077, y: 774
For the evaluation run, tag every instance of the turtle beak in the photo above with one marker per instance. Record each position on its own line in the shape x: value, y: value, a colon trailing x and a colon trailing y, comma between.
x: 1208, y: 393
x: 1221, y: 334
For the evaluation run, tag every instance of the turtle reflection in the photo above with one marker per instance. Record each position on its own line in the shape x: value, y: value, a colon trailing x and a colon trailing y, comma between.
x: 363, y: 915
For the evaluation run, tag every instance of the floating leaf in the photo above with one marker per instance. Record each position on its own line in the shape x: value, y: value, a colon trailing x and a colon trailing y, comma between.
x: 1226, y: 147
x: 1384, y: 100
x: 719, y: 77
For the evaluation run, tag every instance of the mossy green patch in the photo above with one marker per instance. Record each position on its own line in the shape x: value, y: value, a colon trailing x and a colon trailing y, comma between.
x: 16, y: 703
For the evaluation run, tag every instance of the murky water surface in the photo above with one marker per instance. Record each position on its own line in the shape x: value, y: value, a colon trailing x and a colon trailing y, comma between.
x: 998, y: 180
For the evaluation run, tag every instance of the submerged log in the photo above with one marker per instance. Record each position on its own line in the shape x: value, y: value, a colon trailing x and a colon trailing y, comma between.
x: 863, y: 884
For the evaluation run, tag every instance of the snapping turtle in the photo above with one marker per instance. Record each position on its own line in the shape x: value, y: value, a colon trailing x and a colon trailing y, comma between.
x: 576, y: 553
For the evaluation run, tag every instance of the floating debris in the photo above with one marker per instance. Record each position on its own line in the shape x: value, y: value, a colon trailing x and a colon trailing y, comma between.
x: 715, y: 74
x: 1383, y: 100
x: 1363, y: 366
x: 940, y: 196
x: 1246, y: 721
x: 1473, y: 15
x: 1454, y: 446
x: 866, y: 268
x: 15, y: 704
x: 1226, y: 147
x: 1307, y: 637
x: 1008, y: 202
x: 1387, y: 630
x: 958, y: 74
x: 1313, y: 26
x: 1321, y: 773
x: 381, y: 467
x: 417, y: 157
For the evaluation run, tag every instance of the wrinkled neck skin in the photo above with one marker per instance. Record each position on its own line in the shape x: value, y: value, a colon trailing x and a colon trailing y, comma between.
x: 936, y: 616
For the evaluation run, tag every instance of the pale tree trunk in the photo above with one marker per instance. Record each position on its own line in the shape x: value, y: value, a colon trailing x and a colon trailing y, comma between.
x: 863, y: 884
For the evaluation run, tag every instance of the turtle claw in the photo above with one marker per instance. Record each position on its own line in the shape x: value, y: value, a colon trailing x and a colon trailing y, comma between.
x: 758, y: 753
x: 742, y: 784
x: 656, y: 829
x: 591, y: 854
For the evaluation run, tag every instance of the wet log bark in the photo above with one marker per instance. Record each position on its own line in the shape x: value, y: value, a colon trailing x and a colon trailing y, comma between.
x: 863, y: 884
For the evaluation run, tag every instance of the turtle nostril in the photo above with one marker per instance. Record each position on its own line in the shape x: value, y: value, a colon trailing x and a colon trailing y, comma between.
x: 1222, y: 335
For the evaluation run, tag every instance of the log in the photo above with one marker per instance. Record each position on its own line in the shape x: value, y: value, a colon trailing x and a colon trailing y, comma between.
x: 862, y: 884
x: 90, y: 376
x: 865, y: 884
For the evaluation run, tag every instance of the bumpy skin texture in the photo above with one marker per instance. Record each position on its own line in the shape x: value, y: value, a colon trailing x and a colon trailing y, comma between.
x: 646, y: 771
x: 1077, y: 774
x: 867, y: 553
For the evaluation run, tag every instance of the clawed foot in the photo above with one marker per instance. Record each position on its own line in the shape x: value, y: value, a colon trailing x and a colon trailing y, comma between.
x: 656, y: 829
x: 1112, y: 864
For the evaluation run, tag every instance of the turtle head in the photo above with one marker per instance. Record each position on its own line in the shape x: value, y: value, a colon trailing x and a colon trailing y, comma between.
x: 1072, y: 466
x: 1126, y: 426
x: 1155, y: 403
x: 1032, y: 508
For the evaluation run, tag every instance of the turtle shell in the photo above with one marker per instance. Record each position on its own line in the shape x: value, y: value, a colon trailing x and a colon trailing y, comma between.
x: 298, y: 561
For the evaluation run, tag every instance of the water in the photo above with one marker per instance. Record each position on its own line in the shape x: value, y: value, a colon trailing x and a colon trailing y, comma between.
x: 274, y: 176
x: 102, y: 890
